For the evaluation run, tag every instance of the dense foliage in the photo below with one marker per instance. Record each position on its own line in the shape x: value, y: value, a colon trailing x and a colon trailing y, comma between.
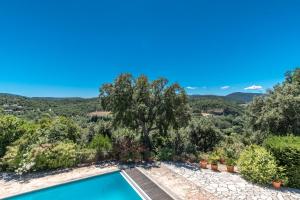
x: 257, y: 164
x: 203, y: 134
x: 11, y: 128
x: 287, y: 153
x: 145, y: 106
x: 278, y: 112
x: 151, y: 120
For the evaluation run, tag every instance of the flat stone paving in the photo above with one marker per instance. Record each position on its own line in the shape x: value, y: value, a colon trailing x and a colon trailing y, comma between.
x: 230, y: 186
x: 178, y: 186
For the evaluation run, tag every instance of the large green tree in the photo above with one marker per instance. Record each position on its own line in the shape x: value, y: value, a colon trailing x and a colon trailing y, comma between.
x: 145, y: 105
x: 279, y: 111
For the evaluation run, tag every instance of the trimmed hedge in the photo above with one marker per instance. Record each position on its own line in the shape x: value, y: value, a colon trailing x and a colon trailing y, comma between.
x: 286, y: 150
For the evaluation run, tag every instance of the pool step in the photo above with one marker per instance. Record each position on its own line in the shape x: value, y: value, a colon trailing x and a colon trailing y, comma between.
x: 148, y: 186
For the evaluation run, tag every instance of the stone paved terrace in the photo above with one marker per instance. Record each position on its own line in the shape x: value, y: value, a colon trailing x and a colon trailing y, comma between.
x: 180, y: 187
x: 229, y: 186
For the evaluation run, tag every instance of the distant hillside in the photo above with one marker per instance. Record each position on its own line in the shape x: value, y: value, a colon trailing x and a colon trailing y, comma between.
x: 221, y: 105
x: 238, y: 97
x: 241, y: 97
x: 32, y: 107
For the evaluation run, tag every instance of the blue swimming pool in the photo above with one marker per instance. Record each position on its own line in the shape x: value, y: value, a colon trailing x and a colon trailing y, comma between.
x: 110, y: 186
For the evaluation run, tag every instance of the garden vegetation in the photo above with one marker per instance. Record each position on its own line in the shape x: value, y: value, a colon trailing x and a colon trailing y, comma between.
x: 156, y: 120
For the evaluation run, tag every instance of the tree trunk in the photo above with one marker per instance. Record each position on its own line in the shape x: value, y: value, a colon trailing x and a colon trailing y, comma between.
x: 146, y: 144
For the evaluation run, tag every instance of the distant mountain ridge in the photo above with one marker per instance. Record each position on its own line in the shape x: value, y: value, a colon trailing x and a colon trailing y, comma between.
x: 32, y: 107
x: 237, y: 97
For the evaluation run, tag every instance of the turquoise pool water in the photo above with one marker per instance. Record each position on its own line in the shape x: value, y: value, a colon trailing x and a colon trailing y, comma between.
x: 104, y: 187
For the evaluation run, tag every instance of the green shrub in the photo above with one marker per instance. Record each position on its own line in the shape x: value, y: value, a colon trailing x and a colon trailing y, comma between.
x: 126, y: 145
x: 11, y: 159
x: 287, y: 153
x: 60, y: 155
x: 256, y: 164
x: 203, y: 134
x: 102, y: 145
x: 165, y: 154
x: 11, y: 128
x: 86, y: 155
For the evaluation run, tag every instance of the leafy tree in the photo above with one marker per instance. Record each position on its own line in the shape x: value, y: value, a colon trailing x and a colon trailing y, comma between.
x: 279, y: 111
x: 145, y: 106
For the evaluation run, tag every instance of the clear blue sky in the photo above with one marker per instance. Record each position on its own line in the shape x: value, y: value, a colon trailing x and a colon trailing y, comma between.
x: 71, y: 47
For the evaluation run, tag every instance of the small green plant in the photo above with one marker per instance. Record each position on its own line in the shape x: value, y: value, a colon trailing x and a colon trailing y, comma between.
x: 214, y: 158
x: 221, y: 152
x: 203, y: 156
x: 280, y: 175
x: 230, y: 156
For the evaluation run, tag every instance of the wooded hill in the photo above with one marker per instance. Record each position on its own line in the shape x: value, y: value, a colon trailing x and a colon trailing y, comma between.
x: 32, y: 107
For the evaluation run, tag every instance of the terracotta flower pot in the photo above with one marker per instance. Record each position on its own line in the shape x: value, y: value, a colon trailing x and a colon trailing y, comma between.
x: 276, y: 184
x: 222, y: 160
x: 203, y: 164
x: 230, y: 168
x: 214, y: 167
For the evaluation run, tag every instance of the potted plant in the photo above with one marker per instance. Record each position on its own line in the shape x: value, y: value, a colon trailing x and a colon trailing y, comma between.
x: 220, y: 151
x: 213, y: 160
x: 231, y: 158
x: 279, y: 178
x: 230, y: 162
x: 203, y: 160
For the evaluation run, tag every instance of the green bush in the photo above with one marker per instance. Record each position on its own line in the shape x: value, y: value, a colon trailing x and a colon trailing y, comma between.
x: 203, y: 134
x: 102, y: 145
x: 126, y: 145
x: 256, y: 164
x: 86, y: 155
x: 11, y: 128
x: 11, y: 159
x: 287, y: 153
x: 60, y: 155
x: 165, y: 154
